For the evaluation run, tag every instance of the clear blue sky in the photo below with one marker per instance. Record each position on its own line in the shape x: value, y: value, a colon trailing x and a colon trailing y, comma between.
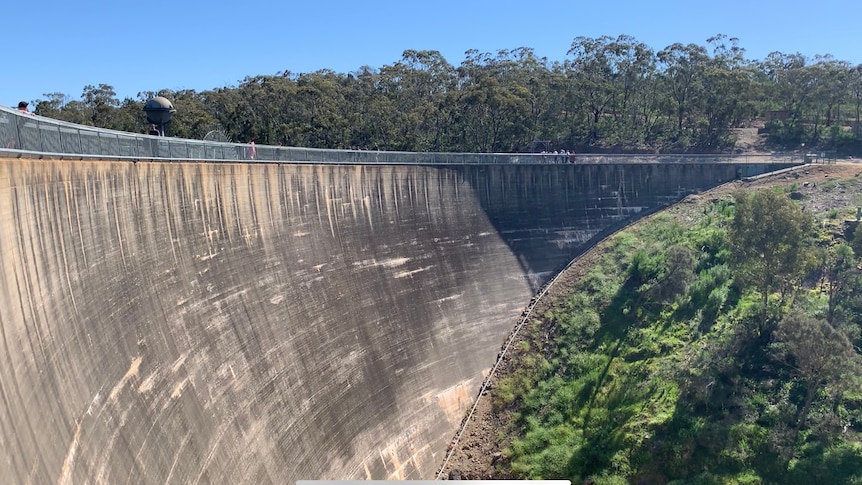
x: 62, y: 45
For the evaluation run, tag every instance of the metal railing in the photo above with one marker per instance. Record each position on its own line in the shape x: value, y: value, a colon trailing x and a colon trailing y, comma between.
x: 24, y: 135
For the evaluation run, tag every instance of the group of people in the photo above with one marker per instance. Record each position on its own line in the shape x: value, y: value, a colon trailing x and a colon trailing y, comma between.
x: 562, y: 156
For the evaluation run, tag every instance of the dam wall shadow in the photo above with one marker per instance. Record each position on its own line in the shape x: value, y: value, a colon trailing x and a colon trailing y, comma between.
x: 265, y: 323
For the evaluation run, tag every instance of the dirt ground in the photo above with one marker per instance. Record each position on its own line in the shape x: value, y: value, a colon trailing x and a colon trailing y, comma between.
x: 474, y: 455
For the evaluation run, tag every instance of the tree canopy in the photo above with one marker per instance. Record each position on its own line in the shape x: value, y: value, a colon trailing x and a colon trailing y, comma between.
x: 769, y: 236
x: 608, y: 94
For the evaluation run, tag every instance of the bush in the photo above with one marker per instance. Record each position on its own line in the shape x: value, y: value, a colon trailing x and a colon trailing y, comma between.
x: 785, y: 133
x: 839, y: 464
x: 856, y: 242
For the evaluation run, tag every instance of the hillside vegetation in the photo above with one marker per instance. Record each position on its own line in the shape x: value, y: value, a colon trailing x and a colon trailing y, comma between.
x: 717, y: 342
x: 610, y: 94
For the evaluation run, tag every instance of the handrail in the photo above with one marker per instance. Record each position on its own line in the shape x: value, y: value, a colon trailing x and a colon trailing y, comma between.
x: 25, y: 135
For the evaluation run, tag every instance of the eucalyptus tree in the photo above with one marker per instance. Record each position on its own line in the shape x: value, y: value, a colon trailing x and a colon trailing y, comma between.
x: 402, y: 105
x: 271, y: 104
x: 256, y: 121
x: 100, y: 103
x: 682, y: 70
x: 51, y: 107
x: 648, y: 103
x: 822, y: 357
x: 633, y: 65
x: 437, y: 78
x: 839, y: 278
x: 74, y: 111
x: 547, y: 88
x: 833, y: 86
x: 192, y: 119
x: 592, y: 76
x: 490, y: 108
x: 769, y: 238
x: 729, y: 92
x: 372, y: 125
x: 854, y: 86
x: 810, y: 94
x: 322, y: 121
x: 788, y: 83
x: 606, y: 76
x: 417, y: 86
x: 518, y: 71
x: 540, y: 88
x: 129, y: 116
x: 226, y: 105
x: 829, y: 79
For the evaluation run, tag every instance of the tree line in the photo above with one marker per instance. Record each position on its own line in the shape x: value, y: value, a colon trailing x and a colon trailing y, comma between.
x: 608, y: 95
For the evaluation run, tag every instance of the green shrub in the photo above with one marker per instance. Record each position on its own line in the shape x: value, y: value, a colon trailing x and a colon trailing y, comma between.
x: 856, y: 241
x: 839, y: 464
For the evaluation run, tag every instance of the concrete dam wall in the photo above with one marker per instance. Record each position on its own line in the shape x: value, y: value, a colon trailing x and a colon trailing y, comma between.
x: 264, y: 323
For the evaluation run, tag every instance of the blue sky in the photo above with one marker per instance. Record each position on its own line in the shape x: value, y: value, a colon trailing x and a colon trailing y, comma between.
x: 61, y: 46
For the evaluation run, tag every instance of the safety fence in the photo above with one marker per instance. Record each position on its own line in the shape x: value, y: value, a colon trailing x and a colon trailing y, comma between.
x: 25, y: 135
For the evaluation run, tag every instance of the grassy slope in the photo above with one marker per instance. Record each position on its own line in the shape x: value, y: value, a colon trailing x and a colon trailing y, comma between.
x: 620, y: 382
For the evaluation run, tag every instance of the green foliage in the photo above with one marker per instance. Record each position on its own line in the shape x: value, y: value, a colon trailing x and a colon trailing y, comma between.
x: 709, y: 293
x: 639, y: 385
x: 786, y: 133
x: 609, y: 94
x: 836, y: 464
x: 839, y: 281
x: 769, y: 235
x: 819, y: 354
x: 828, y: 185
x: 856, y: 241
x: 100, y: 103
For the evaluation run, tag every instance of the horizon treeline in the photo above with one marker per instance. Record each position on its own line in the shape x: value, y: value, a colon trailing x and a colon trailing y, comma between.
x: 608, y: 95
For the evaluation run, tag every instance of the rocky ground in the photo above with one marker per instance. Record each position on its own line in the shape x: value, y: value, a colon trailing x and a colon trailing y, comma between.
x: 474, y: 456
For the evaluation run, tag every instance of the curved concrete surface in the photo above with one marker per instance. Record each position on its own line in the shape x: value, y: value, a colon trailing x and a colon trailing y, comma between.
x: 229, y: 323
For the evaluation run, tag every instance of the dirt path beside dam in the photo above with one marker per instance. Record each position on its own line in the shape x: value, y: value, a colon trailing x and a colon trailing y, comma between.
x: 479, y: 448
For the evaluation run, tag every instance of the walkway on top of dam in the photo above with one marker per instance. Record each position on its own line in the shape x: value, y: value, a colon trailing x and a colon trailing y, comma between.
x: 31, y: 136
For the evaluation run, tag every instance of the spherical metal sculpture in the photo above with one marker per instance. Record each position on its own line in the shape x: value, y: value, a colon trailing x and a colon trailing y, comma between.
x: 159, y: 112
